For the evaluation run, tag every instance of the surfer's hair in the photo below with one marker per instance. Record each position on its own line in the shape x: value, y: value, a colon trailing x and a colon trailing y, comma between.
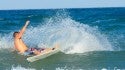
x: 14, y: 33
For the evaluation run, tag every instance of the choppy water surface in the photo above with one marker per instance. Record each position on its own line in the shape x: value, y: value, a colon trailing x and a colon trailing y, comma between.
x: 88, y: 38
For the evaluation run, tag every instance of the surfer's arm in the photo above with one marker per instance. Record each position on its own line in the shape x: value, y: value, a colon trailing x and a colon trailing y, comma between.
x: 23, y: 29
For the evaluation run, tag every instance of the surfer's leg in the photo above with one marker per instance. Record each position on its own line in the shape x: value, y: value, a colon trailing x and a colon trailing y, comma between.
x: 36, y: 52
x: 27, y: 53
x: 55, y: 47
x: 46, y: 50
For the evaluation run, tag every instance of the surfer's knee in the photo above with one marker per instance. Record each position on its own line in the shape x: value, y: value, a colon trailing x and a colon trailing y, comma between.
x: 36, y: 52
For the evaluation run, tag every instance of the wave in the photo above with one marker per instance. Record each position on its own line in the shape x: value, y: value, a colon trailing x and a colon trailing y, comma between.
x: 6, y: 41
x: 1, y: 19
x: 58, y: 68
x: 108, y: 20
x: 72, y: 36
x: 21, y: 68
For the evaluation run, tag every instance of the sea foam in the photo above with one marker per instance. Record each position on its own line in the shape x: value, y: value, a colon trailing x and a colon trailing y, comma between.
x: 21, y: 68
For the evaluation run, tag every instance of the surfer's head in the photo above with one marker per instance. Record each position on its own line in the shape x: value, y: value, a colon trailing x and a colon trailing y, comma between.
x: 15, y: 34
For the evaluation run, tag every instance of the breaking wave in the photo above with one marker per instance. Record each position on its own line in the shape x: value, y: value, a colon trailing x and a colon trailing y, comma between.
x: 72, y: 36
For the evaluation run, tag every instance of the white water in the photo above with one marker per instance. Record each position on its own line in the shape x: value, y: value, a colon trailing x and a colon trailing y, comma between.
x: 59, y: 68
x: 6, y: 41
x: 72, y: 36
x: 21, y: 68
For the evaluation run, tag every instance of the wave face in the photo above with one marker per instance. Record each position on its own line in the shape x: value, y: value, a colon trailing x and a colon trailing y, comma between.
x: 71, y: 35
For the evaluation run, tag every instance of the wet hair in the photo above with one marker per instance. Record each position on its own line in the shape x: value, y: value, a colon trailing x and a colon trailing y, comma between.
x: 14, y: 33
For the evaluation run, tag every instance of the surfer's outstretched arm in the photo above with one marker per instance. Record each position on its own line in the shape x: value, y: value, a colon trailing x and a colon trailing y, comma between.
x: 23, y: 29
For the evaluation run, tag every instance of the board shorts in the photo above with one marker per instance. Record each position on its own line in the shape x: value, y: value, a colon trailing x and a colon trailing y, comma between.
x: 30, y: 51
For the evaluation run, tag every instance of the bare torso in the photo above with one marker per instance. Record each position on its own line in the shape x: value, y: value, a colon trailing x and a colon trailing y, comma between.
x: 20, y: 45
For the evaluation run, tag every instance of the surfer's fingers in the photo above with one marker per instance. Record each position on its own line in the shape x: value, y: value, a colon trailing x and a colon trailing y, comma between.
x: 27, y: 22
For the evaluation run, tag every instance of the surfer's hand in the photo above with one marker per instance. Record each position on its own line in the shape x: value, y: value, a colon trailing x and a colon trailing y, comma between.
x: 27, y: 22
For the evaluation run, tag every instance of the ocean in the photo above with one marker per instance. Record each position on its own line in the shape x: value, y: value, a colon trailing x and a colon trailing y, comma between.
x: 89, y: 38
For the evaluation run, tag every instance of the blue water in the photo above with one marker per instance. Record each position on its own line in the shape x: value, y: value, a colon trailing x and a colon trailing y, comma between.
x: 91, y: 38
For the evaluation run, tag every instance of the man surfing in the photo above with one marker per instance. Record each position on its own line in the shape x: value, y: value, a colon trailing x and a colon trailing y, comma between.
x: 21, y: 47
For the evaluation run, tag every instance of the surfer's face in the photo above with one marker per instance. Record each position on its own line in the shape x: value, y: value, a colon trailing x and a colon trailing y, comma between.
x: 15, y: 34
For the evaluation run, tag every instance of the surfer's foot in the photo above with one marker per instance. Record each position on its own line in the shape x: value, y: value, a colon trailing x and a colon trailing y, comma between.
x: 53, y: 48
x: 36, y: 52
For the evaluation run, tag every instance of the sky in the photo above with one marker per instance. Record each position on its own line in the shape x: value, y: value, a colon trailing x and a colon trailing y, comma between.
x: 48, y: 4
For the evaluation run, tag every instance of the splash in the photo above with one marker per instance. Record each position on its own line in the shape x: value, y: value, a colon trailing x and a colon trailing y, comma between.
x: 72, y: 36
x: 21, y: 68
x: 6, y: 41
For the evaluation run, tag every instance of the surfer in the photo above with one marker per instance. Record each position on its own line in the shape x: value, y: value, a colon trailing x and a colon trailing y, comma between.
x: 20, y: 46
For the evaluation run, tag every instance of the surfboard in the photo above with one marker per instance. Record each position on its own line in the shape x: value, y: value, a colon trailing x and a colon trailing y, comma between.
x: 43, y: 55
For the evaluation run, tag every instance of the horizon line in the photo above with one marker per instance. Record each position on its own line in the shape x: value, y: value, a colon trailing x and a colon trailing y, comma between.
x: 61, y: 8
